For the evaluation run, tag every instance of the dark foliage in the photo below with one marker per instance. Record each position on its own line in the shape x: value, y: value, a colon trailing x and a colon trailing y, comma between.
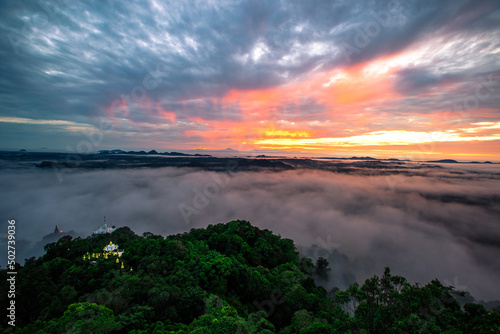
x: 226, y: 278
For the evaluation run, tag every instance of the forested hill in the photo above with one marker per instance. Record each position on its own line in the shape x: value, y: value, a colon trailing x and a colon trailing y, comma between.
x: 226, y: 278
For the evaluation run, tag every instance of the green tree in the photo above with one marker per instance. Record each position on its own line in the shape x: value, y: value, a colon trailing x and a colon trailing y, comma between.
x: 322, y: 268
x: 84, y: 318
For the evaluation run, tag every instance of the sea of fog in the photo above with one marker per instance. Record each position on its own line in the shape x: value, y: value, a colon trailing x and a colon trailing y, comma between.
x: 444, y: 224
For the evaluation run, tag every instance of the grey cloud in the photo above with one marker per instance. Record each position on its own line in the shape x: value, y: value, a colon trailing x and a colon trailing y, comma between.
x: 414, y: 81
x: 66, y: 60
x: 412, y: 21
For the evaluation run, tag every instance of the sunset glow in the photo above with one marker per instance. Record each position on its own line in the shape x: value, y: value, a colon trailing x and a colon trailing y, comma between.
x: 298, y: 84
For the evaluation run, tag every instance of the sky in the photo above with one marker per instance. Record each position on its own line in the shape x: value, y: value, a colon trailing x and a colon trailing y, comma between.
x: 416, y: 79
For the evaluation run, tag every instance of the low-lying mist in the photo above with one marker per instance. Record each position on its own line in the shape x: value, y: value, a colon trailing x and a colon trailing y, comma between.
x: 445, y: 225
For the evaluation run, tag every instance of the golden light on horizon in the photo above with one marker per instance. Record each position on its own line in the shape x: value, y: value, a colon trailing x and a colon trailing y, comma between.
x: 384, y: 138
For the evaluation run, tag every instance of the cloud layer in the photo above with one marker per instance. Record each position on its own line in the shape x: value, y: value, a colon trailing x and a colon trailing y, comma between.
x: 444, y: 225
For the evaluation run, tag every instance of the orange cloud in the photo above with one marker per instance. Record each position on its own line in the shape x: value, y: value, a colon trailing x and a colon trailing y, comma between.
x: 349, y: 97
x: 170, y: 115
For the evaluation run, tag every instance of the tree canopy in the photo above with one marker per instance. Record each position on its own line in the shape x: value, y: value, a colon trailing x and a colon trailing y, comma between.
x: 226, y: 278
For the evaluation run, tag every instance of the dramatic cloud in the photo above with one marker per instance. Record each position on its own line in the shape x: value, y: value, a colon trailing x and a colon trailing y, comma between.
x: 443, y: 225
x: 211, y: 75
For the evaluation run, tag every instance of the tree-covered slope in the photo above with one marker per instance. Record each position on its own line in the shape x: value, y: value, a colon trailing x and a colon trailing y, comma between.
x: 226, y: 278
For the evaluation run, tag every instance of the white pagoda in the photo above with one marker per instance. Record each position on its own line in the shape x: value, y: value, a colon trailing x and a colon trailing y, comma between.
x: 103, y: 229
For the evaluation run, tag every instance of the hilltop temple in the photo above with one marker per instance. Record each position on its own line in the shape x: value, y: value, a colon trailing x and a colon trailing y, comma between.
x: 54, y: 236
x: 103, y: 229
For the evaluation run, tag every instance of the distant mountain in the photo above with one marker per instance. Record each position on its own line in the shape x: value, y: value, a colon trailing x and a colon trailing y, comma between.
x: 176, y: 154
x: 185, y: 154
x: 445, y: 161
x: 117, y: 151
x: 479, y: 162
x: 112, y: 152
x: 363, y: 158
x: 352, y: 158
